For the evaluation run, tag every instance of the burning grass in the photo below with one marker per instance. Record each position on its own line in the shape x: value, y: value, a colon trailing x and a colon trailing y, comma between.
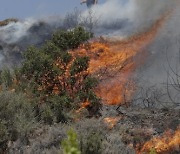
x: 167, y: 143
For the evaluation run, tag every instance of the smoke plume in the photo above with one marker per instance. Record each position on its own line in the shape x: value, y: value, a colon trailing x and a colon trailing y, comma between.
x: 161, y: 71
x: 15, y: 37
x: 126, y: 17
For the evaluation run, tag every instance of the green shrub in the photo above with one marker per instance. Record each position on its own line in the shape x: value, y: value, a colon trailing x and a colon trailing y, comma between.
x: 70, y: 145
x: 71, y: 39
x: 36, y: 63
x: 17, y: 117
x: 51, y: 49
x: 152, y: 151
x: 59, y: 105
x: 92, y: 144
x: 6, y: 78
x: 90, y: 83
x: 47, y: 114
x: 3, y: 136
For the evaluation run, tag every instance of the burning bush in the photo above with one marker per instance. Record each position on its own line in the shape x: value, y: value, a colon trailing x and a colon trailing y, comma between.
x: 57, y: 79
x: 50, y: 83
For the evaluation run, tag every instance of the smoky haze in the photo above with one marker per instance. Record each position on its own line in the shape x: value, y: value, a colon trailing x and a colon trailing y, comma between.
x: 17, y: 36
x: 163, y: 62
x: 123, y: 19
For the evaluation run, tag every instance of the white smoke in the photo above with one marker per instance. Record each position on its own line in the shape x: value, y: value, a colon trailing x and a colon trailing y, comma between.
x: 163, y: 63
x: 14, y: 31
x: 115, y: 17
x: 124, y: 18
x: 15, y: 37
x: 130, y: 16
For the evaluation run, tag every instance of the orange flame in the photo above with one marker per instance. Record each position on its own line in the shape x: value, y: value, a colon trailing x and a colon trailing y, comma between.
x: 163, y: 145
x: 115, y: 62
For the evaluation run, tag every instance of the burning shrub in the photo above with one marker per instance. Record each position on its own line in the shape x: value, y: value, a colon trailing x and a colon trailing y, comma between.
x: 79, y: 65
x: 168, y: 143
x: 60, y: 78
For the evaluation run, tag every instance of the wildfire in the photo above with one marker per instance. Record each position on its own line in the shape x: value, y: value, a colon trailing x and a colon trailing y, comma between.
x: 111, y: 122
x: 114, y: 63
x: 163, y: 145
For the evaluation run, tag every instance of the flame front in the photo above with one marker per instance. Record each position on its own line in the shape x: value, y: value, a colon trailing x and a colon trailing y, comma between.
x: 163, y: 145
x: 114, y: 63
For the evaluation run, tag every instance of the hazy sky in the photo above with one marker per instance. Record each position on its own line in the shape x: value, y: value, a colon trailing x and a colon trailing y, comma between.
x: 33, y: 8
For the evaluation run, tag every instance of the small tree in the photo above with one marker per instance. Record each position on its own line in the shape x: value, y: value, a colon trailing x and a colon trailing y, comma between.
x: 58, y: 76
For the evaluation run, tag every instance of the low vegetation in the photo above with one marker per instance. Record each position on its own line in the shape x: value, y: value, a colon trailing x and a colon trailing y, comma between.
x: 83, y: 144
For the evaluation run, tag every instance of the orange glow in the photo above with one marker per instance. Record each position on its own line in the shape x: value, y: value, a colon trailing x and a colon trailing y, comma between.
x: 111, y: 122
x: 114, y: 63
x: 164, y: 144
